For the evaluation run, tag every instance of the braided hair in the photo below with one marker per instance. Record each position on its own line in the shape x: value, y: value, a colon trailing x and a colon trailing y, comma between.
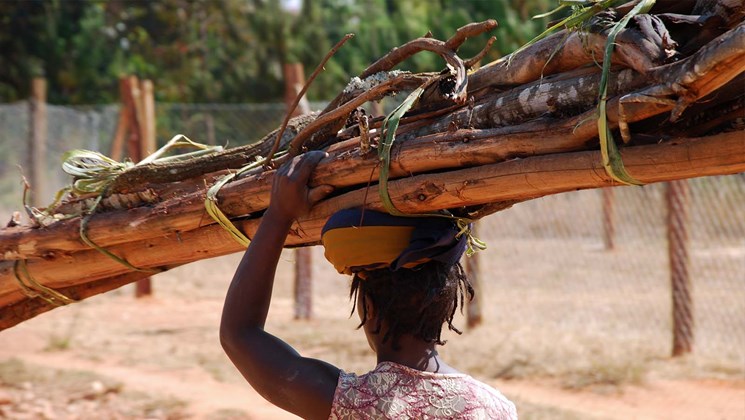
x: 416, y: 301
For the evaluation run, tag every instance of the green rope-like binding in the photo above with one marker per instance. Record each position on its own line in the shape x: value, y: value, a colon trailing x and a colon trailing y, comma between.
x: 611, y: 157
x: 389, y: 127
x: 104, y: 251
x: 582, y: 12
x: 95, y: 173
x: 33, y: 288
x: 213, y: 209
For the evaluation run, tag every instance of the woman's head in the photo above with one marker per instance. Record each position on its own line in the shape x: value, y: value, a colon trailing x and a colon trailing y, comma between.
x: 407, y: 278
x: 416, y: 301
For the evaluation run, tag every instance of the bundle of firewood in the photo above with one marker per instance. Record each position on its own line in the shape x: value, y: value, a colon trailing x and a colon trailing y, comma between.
x: 474, y: 142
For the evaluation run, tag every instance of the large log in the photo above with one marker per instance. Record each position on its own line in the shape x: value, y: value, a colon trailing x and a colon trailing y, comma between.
x: 515, y: 180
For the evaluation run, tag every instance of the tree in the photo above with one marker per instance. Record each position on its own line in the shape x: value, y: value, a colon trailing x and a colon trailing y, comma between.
x: 228, y: 50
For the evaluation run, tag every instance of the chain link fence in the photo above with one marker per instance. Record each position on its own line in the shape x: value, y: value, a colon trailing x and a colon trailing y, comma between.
x: 556, y: 301
x: 93, y: 127
x: 548, y: 272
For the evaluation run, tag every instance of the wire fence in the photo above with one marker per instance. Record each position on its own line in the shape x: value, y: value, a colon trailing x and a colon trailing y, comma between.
x: 556, y: 302
x: 93, y: 127
x: 554, y: 246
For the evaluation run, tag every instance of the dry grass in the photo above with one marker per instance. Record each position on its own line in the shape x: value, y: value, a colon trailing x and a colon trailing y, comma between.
x: 40, y: 392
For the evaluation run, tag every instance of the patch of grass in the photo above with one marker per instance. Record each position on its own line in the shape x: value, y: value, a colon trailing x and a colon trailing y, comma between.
x: 692, y: 366
x: 150, y: 406
x: 605, y: 377
x: 228, y: 414
x: 60, y: 341
x: 13, y: 372
x: 81, y: 383
x: 532, y: 411
x: 216, y: 366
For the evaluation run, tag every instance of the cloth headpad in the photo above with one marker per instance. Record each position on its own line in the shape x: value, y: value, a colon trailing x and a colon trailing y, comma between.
x: 358, y: 240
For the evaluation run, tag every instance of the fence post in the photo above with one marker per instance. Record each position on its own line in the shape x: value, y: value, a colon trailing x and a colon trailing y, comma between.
x: 209, y: 122
x: 37, y: 145
x: 147, y: 126
x: 677, y: 193
x: 124, y: 123
x: 473, y: 307
x: 132, y: 99
x: 609, y: 229
x: 303, y: 307
x: 144, y: 109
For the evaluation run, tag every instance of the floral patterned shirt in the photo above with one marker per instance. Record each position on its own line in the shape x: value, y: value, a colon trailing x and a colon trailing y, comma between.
x: 393, y: 391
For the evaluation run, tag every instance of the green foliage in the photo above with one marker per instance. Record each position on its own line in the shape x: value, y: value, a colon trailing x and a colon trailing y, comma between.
x: 228, y: 50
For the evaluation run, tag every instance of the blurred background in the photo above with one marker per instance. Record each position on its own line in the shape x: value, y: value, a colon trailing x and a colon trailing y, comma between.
x: 228, y: 51
x: 576, y: 296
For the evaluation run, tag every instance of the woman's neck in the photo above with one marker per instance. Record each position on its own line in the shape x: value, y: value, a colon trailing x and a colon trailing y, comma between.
x: 414, y: 353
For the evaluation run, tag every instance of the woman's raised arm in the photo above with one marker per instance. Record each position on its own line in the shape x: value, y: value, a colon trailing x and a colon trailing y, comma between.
x: 297, y: 384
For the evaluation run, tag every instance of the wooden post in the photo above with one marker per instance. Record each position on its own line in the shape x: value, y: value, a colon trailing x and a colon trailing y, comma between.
x: 677, y: 193
x: 303, y: 308
x: 609, y: 229
x: 148, y: 143
x: 37, y: 145
x: 123, y: 124
x: 132, y: 99
x: 294, y: 81
x: 145, y: 111
x: 473, y: 307
x: 209, y: 122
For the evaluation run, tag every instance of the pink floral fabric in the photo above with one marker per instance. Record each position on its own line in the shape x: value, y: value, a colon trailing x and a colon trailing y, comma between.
x: 393, y: 391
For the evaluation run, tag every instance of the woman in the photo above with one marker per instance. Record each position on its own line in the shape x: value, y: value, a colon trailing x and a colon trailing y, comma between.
x: 403, y: 303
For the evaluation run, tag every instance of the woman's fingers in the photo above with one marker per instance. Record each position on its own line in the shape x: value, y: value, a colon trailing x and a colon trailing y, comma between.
x: 291, y: 195
x: 305, y: 164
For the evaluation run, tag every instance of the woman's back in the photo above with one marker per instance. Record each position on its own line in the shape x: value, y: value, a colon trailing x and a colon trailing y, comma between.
x: 394, y: 391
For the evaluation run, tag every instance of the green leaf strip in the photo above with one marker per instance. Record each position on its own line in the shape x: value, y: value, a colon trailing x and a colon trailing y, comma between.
x: 34, y: 289
x: 93, y: 172
x: 389, y: 127
x: 611, y: 157
x: 576, y: 19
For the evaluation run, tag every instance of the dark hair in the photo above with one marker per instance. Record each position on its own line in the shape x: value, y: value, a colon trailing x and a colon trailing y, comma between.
x: 415, y: 301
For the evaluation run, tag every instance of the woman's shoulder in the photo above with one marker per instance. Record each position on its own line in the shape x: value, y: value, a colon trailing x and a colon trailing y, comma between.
x: 483, y: 390
x: 394, y: 391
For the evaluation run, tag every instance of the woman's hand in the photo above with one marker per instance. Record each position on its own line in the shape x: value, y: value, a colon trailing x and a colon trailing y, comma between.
x: 291, y: 196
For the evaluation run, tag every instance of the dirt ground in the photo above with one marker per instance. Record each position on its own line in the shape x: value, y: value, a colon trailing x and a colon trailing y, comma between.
x: 114, y: 356
x: 570, y: 331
